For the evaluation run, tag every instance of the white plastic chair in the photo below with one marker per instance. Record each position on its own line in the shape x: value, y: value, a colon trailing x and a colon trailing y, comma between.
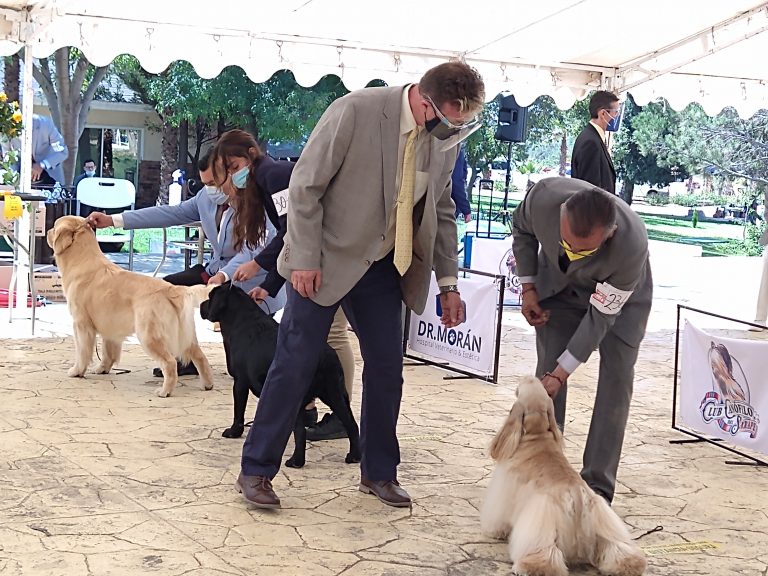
x: 109, y: 193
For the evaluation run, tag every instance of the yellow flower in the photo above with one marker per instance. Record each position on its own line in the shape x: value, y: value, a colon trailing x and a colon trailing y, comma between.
x: 16, y: 116
x: 3, y: 97
x: 15, y: 105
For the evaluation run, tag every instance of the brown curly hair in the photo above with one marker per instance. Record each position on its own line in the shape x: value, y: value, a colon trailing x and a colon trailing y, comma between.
x: 249, y: 221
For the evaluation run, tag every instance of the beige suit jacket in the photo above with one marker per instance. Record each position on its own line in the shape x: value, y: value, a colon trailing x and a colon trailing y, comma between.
x: 342, y: 192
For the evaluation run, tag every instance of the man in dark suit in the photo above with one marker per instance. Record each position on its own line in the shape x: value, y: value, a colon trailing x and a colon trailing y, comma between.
x: 590, y: 159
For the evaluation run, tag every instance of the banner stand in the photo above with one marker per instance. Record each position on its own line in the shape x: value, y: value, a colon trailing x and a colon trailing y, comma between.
x: 754, y: 461
x: 463, y: 374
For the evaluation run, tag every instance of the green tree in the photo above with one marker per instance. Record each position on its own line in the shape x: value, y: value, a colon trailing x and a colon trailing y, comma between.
x: 550, y: 125
x: 636, y: 165
x: 69, y: 83
x: 276, y: 110
x: 726, y: 144
x: 482, y: 147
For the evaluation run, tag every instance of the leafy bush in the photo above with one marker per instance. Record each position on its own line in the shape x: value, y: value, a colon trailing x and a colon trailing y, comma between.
x: 752, y: 236
x: 704, y: 199
x: 657, y: 199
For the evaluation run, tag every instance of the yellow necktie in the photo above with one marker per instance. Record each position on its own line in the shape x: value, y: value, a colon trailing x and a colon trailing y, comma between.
x: 404, y: 217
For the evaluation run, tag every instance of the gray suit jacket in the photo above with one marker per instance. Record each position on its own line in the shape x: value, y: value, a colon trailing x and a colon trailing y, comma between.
x: 224, y: 258
x: 622, y: 262
x: 341, y: 195
x: 48, y: 147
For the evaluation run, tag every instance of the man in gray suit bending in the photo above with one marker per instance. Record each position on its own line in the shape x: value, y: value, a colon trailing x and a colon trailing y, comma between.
x: 370, y: 216
x: 582, y: 259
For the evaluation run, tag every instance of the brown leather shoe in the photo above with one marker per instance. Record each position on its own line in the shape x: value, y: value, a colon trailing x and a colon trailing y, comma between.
x: 257, y: 490
x: 388, y: 491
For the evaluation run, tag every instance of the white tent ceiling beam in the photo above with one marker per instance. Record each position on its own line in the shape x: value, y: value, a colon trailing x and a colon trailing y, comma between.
x: 693, y: 48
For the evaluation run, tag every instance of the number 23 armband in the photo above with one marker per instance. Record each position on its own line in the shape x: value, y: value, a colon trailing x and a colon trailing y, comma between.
x: 608, y: 299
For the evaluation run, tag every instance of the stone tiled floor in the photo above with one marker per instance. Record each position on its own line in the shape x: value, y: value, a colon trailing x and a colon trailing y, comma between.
x: 100, y: 477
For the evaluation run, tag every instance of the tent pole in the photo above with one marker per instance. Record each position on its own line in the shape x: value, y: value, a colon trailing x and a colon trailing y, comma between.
x: 25, y: 261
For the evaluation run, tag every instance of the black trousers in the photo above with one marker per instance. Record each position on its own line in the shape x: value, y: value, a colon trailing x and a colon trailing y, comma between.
x: 190, y: 277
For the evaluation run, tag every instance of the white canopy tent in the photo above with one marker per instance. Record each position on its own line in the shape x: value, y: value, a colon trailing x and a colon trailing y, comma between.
x: 684, y: 50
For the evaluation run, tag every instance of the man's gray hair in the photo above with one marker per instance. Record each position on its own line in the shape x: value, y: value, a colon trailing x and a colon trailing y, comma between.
x: 590, y: 209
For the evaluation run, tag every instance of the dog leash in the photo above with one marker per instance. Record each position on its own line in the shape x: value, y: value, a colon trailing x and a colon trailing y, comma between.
x: 651, y: 531
x: 116, y: 370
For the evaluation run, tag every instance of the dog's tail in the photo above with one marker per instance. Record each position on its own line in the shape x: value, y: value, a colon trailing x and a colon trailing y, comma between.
x: 186, y: 337
x: 199, y: 294
x: 615, y: 551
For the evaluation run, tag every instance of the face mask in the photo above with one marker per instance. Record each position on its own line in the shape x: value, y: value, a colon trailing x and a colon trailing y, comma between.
x: 613, y: 125
x: 575, y: 255
x: 442, y: 128
x: 217, y: 196
x: 240, y: 177
x: 90, y: 173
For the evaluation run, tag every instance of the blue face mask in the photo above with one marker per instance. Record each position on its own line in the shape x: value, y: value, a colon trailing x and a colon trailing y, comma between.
x: 240, y: 177
x: 216, y: 195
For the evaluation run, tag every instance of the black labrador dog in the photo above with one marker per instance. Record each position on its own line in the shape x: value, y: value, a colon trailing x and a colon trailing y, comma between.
x: 250, y: 337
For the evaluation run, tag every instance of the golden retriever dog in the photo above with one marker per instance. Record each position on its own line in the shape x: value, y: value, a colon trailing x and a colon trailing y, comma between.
x: 540, y: 503
x: 107, y: 300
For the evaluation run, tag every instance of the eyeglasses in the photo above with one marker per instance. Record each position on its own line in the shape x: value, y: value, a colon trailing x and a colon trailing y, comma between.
x: 448, y: 123
x: 613, y: 112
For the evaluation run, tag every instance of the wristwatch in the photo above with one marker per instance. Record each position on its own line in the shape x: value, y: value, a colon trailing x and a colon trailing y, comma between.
x: 449, y: 288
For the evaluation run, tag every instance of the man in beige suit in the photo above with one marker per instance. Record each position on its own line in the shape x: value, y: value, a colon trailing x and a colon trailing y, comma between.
x: 370, y: 216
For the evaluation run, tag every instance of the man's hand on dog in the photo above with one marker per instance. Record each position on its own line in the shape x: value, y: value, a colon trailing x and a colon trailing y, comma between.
x: 306, y: 282
x: 99, y: 220
x: 551, y: 383
x: 533, y: 313
x: 246, y: 271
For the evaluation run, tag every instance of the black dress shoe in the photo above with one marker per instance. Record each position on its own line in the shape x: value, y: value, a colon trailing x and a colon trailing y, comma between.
x: 310, y: 417
x: 329, y: 428
x: 181, y: 370
x: 257, y: 490
x: 388, y: 491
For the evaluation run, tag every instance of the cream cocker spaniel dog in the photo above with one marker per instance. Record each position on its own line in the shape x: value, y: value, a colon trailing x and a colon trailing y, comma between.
x: 540, y: 503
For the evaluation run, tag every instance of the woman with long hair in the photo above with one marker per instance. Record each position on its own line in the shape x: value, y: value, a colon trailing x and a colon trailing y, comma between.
x: 261, y: 192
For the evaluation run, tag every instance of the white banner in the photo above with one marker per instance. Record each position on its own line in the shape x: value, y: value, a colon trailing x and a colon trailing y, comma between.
x: 496, y: 257
x: 724, y: 388
x: 471, y: 344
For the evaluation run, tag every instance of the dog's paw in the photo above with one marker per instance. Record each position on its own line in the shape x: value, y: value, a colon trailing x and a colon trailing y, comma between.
x: 75, y: 372
x: 207, y: 385
x: 163, y: 393
x: 101, y: 369
x: 233, y: 432
x: 352, y: 458
x: 294, y: 462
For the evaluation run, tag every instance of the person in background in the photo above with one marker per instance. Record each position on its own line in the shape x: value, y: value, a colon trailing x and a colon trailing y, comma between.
x: 459, y: 187
x: 213, y: 208
x: 48, y: 153
x: 89, y: 171
x: 590, y: 159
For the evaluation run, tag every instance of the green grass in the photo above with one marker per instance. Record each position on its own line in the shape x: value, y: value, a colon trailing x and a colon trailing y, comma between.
x: 715, y: 238
x: 141, y: 238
